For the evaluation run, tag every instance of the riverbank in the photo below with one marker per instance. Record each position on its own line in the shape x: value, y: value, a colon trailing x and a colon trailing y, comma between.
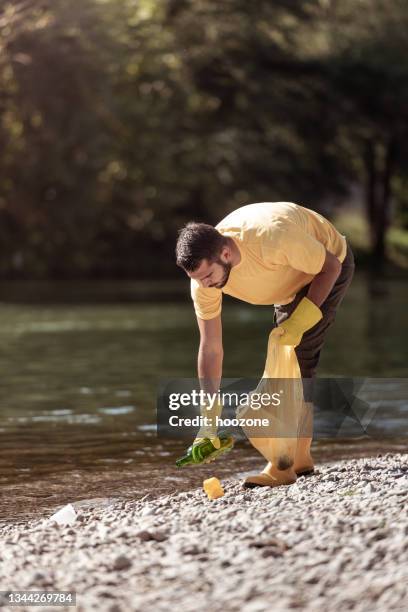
x: 337, y: 540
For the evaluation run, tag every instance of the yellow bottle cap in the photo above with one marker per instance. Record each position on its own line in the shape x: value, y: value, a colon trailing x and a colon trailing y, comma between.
x: 213, y: 488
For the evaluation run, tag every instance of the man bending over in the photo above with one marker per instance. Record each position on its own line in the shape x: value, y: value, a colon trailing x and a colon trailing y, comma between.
x: 269, y: 253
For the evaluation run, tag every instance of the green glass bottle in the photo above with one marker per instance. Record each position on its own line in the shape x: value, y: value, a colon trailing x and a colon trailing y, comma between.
x: 205, y: 451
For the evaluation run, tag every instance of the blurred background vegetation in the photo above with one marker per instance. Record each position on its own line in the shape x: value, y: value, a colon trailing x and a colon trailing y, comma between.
x: 122, y: 119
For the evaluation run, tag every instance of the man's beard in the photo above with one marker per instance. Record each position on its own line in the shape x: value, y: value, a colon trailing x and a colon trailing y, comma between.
x: 227, y: 270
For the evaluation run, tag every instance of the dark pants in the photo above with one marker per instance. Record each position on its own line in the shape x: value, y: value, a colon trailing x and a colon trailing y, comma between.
x: 308, y: 351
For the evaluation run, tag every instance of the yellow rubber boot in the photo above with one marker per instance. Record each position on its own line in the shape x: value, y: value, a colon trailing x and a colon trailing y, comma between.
x: 270, y: 477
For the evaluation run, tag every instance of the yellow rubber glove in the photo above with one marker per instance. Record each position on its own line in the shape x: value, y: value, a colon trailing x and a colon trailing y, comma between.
x: 210, y: 430
x: 304, y: 317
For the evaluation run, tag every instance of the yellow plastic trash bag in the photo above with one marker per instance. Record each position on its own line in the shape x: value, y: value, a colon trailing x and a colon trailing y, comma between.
x: 281, y: 376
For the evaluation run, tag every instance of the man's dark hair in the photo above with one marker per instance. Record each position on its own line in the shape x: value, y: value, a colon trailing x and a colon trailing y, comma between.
x: 198, y: 241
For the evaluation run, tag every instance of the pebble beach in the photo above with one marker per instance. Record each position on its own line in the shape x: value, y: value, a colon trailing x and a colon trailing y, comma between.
x: 336, y: 540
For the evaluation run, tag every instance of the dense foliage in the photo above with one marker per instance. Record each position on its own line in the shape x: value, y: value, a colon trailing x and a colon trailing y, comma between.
x: 121, y: 119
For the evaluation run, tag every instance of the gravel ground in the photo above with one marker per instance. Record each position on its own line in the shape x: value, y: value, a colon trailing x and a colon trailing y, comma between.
x: 337, y: 540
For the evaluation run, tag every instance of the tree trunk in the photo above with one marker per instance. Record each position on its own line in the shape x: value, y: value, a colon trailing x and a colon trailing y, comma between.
x: 378, y: 196
x: 383, y: 215
x: 371, y: 187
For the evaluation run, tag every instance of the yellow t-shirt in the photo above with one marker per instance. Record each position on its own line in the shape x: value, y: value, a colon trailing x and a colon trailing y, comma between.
x: 282, y: 245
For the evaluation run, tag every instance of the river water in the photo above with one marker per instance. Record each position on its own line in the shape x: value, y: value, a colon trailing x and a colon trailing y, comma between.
x: 81, y: 364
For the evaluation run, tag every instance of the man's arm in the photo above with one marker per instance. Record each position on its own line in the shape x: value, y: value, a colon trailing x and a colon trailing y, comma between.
x: 323, y: 282
x: 210, y: 353
x: 307, y: 313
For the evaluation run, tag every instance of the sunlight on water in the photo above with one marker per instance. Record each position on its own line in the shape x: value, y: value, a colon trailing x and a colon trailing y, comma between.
x: 79, y: 383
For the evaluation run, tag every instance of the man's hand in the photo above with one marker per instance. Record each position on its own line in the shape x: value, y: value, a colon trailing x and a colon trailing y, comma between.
x: 304, y: 317
x: 215, y: 441
x: 210, y: 412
